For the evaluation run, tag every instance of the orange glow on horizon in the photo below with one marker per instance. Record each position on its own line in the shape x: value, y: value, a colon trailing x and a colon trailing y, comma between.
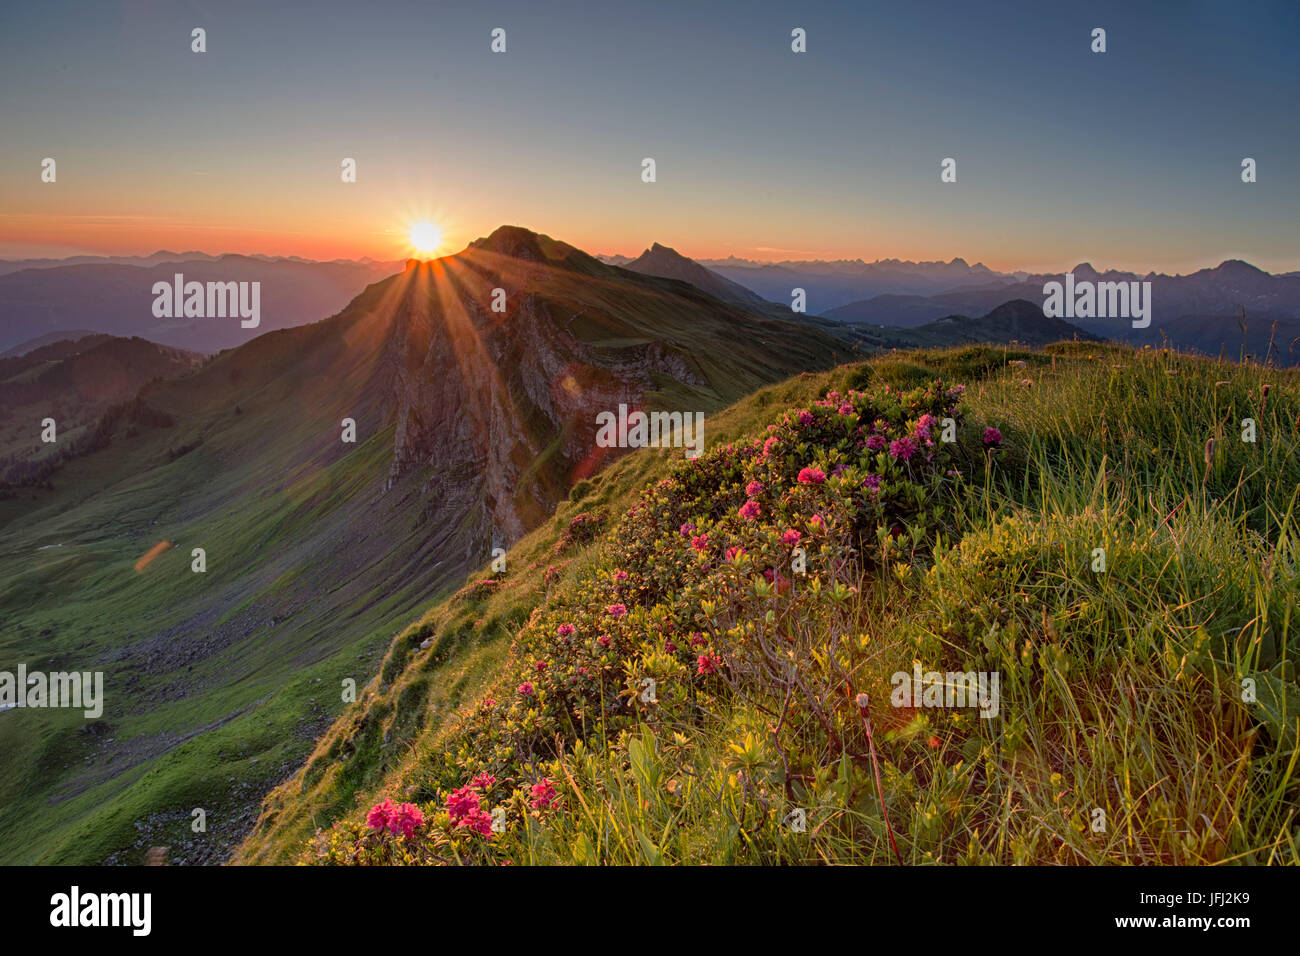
x: 386, y: 235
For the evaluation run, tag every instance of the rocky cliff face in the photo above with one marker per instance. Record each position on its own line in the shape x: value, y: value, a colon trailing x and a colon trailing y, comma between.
x: 501, y: 407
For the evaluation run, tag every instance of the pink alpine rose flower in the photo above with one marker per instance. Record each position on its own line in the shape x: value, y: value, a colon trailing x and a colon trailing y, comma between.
x: 461, y: 802
x: 381, y: 814
x: 406, y: 821
x: 478, y: 820
x: 543, y: 795
x: 902, y: 448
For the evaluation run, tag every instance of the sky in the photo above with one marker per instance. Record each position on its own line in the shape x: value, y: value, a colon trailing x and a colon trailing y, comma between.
x: 1128, y: 159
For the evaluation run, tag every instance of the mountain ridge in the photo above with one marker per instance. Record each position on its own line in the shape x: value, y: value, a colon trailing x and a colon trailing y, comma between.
x: 470, y: 425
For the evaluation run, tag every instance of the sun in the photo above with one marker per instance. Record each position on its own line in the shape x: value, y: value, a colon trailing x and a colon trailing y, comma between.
x: 425, y: 238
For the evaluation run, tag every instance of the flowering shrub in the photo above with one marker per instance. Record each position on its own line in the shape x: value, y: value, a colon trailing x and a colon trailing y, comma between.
x: 732, y: 575
x: 477, y: 590
x: 583, y: 528
x: 404, y: 820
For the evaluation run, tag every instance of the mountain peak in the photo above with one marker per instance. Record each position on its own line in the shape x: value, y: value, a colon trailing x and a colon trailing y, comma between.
x: 1018, y: 307
x: 1239, y: 267
x: 667, y: 263
x: 514, y: 241
x: 661, y: 253
x: 525, y: 245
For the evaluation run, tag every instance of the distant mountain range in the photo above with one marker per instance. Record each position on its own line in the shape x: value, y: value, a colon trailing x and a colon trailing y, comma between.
x: 48, y: 300
x: 1016, y: 320
x: 834, y: 283
x: 670, y: 264
x: 116, y: 297
x: 1201, y: 311
x: 163, y: 255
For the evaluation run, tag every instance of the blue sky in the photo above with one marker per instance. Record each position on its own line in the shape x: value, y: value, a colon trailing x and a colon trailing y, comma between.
x: 1129, y: 158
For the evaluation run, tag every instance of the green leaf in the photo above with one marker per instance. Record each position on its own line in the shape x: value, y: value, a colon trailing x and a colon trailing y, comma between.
x: 653, y: 854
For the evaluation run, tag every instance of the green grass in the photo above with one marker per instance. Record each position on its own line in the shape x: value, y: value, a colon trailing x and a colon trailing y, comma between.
x: 1122, y: 690
x: 216, y: 684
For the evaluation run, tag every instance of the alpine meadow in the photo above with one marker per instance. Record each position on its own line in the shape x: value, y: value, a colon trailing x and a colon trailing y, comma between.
x: 753, y: 435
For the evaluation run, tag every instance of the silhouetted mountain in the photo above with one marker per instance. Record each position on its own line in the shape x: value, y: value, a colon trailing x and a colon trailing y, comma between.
x: 66, y: 335
x: 832, y: 284
x: 118, y: 299
x: 669, y: 264
x: 1016, y: 321
x: 163, y: 255
x: 1201, y: 311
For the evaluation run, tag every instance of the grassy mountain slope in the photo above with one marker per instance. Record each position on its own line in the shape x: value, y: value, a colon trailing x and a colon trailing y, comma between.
x: 73, y: 382
x: 1016, y: 321
x: 1122, y: 688
x: 470, y: 426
